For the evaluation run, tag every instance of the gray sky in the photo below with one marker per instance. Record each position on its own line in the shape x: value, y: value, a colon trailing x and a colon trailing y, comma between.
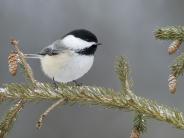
x: 125, y: 27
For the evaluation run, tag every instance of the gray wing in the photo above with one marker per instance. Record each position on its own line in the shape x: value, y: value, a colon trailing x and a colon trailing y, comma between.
x: 54, y: 49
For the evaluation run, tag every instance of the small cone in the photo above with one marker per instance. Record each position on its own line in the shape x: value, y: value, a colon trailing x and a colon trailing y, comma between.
x: 174, y: 46
x: 135, y: 134
x: 13, y: 41
x: 172, y: 83
x: 13, y: 63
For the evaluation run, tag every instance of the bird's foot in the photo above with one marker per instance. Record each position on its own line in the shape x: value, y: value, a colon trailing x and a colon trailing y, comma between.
x: 77, y: 83
x: 55, y: 85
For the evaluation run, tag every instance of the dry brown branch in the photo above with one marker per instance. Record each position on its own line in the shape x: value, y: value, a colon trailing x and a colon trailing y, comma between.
x: 44, y: 115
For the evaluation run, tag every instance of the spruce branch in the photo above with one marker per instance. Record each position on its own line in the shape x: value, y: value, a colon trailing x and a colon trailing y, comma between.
x: 12, y: 114
x: 95, y: 96
x: 123, y: 72
x: 177, y: 68
x: 7, y: 123
x: 139, y: 125
x: 170, y: 33
x: 140, y: 122
x: 125, y: 99
x: 175, y: 33
x: 26, y: 67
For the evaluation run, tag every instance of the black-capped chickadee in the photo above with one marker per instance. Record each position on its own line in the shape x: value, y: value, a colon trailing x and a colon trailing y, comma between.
x: 70, y: 57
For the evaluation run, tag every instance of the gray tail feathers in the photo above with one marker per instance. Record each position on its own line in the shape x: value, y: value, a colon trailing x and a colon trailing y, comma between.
x: 32, y: 56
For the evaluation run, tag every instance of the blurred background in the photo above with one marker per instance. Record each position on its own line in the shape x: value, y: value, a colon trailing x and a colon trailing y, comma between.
x: 125, y: 27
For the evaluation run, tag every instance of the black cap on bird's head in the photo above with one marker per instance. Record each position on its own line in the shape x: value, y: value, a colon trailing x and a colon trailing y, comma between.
x: 82, y: 41
x: 84, y: 35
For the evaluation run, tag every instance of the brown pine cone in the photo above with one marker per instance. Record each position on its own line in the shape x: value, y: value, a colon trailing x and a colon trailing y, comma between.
x: 172, y: 83
x: 135, y: 134
x: 13, y: 63
x: 174, y: 46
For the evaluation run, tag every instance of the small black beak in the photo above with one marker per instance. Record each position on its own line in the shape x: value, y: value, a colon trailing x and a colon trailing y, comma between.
x: 98, y: 44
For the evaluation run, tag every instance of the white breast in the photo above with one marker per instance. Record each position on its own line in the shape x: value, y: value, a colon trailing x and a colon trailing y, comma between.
x: 66, y: 67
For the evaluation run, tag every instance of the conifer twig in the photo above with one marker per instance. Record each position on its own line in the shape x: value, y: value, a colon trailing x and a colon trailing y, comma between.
x: 123, y: 73
x: 27, y: 68
x: 177, y: 68
x: 175, y: 33
x: 11, y: 116
x: 170, y: 33
x: 140, y: 122
x: 44, y: 115
x: 7, y: 123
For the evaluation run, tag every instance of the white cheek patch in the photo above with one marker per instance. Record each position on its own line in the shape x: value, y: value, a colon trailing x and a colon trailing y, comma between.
x: 73, y: 42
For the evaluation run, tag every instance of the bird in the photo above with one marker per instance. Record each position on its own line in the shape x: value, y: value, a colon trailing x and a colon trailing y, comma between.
x: 70, y: 57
